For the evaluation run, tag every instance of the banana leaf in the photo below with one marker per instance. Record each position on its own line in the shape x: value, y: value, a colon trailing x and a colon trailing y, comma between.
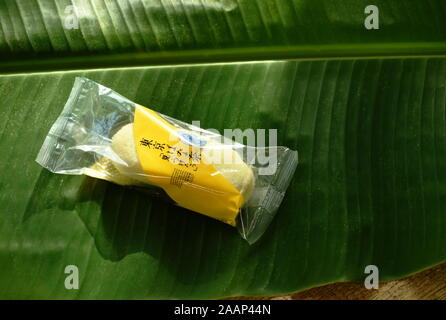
x: 118, y: 33
x: 370, y: 185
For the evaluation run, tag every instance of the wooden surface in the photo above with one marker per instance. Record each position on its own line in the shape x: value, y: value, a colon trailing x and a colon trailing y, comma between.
x: 429, y: 284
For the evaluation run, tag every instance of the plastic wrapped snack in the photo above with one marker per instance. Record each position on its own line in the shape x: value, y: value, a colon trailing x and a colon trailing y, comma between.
x: 104, y: 135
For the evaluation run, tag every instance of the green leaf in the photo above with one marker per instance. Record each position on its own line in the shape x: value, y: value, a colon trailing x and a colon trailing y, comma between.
x: 137, y: 32
x: 369, y: 188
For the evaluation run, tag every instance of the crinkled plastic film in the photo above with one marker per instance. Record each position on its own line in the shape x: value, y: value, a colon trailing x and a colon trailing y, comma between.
x: 104, y: 135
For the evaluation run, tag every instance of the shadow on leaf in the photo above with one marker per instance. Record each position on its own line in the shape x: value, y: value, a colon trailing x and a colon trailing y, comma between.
x: 127, y: 221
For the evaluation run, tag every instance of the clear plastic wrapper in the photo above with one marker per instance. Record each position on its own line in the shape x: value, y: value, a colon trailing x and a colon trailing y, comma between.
x: 104, y: 135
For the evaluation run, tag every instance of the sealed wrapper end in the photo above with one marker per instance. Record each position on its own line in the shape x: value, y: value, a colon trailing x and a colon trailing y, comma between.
x: 104, y: 135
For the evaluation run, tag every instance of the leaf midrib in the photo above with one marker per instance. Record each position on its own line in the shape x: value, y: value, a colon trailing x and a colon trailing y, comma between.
x: 45, y: 63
